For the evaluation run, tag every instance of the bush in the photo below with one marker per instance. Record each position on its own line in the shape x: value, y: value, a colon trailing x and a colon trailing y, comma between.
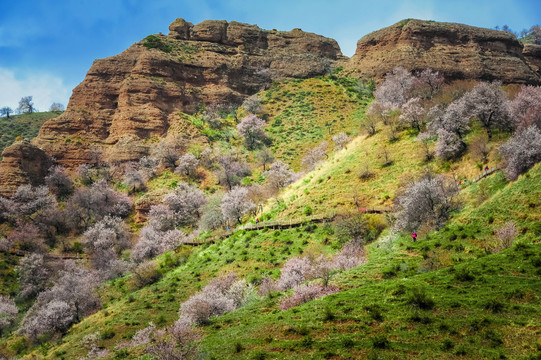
x: 380, y: 342
x: 107, y: 334
x: 145, y: 274
x: 419, y: 298
x: 154, y: 42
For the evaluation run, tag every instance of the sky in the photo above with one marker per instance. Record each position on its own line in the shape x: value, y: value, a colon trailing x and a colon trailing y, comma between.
x: 47, y: 46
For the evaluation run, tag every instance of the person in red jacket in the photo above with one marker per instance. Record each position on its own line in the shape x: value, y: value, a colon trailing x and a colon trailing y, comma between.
x: 414, y: 236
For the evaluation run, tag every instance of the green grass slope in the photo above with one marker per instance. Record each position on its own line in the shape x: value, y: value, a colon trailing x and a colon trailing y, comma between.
x: 404, y: 303
x: 24, y: 125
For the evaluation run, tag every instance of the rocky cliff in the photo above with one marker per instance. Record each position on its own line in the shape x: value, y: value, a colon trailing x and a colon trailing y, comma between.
x: 141, y: 91
x: 532, y: 54
x: 22, y: 163
x: 458, y: 51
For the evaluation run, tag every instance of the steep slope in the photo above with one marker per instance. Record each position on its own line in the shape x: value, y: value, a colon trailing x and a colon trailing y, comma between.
x: 458, y: 51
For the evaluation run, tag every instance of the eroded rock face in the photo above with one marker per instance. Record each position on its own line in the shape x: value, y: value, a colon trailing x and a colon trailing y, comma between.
x: 141, y: 91
x: 532, y: 53
x: 22, y: 163
x: 458, y: 51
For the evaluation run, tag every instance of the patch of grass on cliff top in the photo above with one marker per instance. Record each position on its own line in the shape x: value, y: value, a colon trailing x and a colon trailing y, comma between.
x: 302, y: 113
x: 24, y: 125
x: 251, y: 255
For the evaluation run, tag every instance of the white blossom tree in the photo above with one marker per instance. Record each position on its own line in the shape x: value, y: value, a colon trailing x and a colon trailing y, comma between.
x: 428, y: 201
x: 522, y: 151
x: 236, y: 203
x: 252, y: 129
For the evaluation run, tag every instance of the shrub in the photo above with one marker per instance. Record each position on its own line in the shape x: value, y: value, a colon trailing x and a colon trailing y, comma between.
x: 507, y: 234
x: 380, y: 342
x: 155, y: 42
x: 419, y: 298
x: 145, y: 274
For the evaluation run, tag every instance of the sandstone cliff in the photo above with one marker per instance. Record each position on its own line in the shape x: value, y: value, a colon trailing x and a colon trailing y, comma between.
x: 140, y: 92
x: 23, y: 163
x: 532, y: 53
x: 458, y: 51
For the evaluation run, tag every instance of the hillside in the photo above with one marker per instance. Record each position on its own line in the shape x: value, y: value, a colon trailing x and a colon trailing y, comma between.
x: 25, y: 125
x: 195, y: 210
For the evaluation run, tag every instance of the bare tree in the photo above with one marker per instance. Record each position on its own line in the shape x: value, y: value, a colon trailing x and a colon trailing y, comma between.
x: 232, y: 171
x: 26, y: 106
x: 480, y: 148
x: 56, y: 107
x: 265, y: 156
x: 6, y: 111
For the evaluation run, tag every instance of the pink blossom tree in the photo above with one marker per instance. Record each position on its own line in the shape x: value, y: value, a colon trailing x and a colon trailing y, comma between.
x: 427, y: 201
x: 394, y: 91
x: 252, y: 129
x: 412, y: 114
x: 315, y: 156
x: 525, y: 108
x: 522, y: 151
x: 487, y: 102
x: 236, y: 203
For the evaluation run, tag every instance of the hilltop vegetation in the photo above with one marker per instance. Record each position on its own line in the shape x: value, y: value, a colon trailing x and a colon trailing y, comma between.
x: 281, y: 229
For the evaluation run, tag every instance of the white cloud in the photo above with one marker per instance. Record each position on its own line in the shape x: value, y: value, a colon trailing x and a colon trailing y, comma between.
x: 45, y: 89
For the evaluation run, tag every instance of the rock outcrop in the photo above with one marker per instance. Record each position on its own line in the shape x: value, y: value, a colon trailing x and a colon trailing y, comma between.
x: 141, y: 91
x: 458, y: 51
x: 22, y: 163
x: 532, y: 53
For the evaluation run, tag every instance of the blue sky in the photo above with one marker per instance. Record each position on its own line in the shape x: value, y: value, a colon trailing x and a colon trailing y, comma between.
x: 47, y: 46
